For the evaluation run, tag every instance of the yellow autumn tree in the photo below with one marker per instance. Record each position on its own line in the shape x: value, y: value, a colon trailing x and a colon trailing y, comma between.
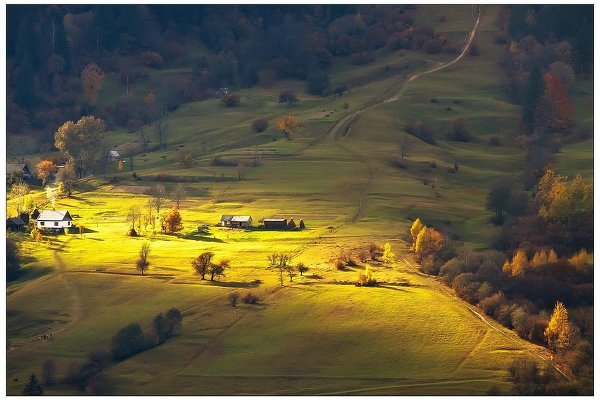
x: 518, y: 265
x: 388, y: 256
x: 552, y: 257
x: 559, y: 333
x: 287, y: 124
x: 414, y: 231
x: 92, y: 78
x: 428, y: 241
x: 539, y: 259
x: 580, y: 259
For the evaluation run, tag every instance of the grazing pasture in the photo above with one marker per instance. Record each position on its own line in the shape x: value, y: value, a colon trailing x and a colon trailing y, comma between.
x: 318, y: 334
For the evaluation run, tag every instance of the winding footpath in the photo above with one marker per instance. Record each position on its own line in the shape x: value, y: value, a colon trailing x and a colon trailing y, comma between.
x: 351, y: 118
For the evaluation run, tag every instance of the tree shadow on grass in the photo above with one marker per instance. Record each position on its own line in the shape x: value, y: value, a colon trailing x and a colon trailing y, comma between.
x: 201, y: 237
x: 390, y: 287
x: 253, y: 284
x: 30, y: 273
x: 85, y: 201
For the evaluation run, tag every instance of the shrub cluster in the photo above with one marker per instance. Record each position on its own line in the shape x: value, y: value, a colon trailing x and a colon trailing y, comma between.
x: 420, y: 130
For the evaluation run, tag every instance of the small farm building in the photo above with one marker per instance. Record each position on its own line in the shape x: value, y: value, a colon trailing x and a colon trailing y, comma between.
x: 241, y: 221
x: 275, y: 223
x: 236, y: 221
x: 54, y: 219
x: 18, y: 169
x: 226, y: 220
x: 15, y: 224
x: 113, y: 155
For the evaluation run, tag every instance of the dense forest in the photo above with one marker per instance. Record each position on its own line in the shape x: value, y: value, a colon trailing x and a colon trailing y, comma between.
x: 540, y: 256
x: 59, y: 56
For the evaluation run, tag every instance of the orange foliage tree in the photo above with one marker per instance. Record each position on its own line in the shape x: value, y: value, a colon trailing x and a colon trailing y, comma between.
x: 287, y: 124
x: 172, y: 221
x: 92, y: 78
x: 428, y: 241
x: 555, y: 110
x: 45, y: 170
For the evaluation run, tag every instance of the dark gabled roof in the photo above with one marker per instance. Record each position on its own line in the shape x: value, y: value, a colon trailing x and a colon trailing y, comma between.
x: 10, y: 168
x: 14, y: 221
x: 274, y: 220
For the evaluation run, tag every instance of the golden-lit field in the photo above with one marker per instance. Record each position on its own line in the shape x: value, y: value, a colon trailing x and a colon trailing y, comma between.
x: 318, y: 334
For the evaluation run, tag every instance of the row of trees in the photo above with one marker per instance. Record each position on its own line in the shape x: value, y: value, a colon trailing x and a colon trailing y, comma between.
x: 203, y: 265
x: 519, y: 290
x: 560, y: 215
x: 543, y: 57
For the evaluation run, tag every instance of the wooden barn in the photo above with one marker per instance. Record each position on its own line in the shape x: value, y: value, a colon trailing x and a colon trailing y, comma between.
x: 275, y: 223
x: 15, y: 224
x: 21, y: 170
x: 241, y: 221
x: 236, y: 221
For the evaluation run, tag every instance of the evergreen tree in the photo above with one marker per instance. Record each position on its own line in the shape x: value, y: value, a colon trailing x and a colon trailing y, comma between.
x: 33, y: 387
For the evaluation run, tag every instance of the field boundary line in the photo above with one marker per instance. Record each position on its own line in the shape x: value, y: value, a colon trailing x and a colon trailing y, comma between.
x: 478, y: 315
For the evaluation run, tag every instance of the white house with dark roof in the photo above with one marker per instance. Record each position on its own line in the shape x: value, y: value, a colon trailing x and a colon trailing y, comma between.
x: 54, y: 219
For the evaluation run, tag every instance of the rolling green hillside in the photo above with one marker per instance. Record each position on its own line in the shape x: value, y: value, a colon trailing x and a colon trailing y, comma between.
x: 318, y: 334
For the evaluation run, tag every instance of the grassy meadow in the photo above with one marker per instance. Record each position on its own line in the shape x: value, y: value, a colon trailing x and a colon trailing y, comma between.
x: 318, y: 334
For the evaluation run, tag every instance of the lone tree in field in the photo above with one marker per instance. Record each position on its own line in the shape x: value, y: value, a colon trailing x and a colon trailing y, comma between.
x: 45, y: 170
x: 133, y: 218
x: 498, y: 199
x: 560, y: 334
x: 233, y: 297
x: 143, y: 263
x: 301, y: 268
x: 388, y: 256
x: 81, y: 141
x: 218, y: 270
x: 173, y: 221
x: 66, y: 180
x: 414, y: 231
x: 283, y: 265
x: 202, y: 263
x: 259, y: 125
x: 159, y: 196
x: 33, y: 387
x: 179, y: 194
x: 287, y: 124
x: 18, y: 192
